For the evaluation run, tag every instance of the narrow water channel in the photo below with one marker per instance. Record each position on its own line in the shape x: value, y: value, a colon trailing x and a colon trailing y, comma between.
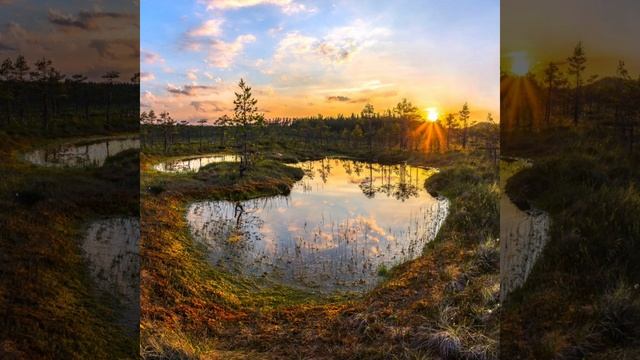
x: 523, y: 234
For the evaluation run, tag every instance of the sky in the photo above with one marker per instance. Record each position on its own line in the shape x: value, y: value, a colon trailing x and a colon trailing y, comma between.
x: 89, y: 37
x: 548, y: 30
x: 306, y: 57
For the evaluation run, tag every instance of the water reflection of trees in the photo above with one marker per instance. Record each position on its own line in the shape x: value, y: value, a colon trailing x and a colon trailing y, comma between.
x: 325, y: 170
x: 347, y: 167
x: 396, y: 181
x: 400, y: 182
x: 405, y: 188
x: 358, y: 167
x: 369, y: 189
x: 81, y: 155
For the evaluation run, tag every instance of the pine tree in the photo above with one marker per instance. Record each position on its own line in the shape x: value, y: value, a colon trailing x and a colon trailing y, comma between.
x: 368, y: 114
x: 576, y: 68
x: 246, y: 117
x: 464, y: 120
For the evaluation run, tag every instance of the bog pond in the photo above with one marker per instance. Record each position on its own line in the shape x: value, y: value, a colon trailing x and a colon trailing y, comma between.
x: 194, y: 164
x: 83, y: 154
x: 339, y: 229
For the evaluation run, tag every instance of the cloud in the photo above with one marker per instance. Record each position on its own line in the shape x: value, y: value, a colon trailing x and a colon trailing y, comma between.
x: 146, y: 76
x: 149, y: 57
x: 294, y: 8
x: 85, y: 20
x: 338, y: 98
x: 13, y: 36
x: 275, y: 30
x: 15, y: 30
x: 288, y: 7
x: 337, y: 46
x: 342, y: 42
x: 192, y: 74
x: 149, y: 98
x: 208, y: 28
x: 222, y: 54
x: 295, y: 43
x: 116, y: 49
x: 346, y: 99
x: 189, y: 90
x: 5, y: 47
x: 207, y: 106
x: 264, y: 91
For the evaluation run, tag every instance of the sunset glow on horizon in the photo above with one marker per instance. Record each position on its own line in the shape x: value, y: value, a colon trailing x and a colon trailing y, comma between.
x: 304, y: 58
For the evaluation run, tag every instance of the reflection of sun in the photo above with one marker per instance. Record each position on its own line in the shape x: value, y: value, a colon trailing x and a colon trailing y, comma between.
x: 520, y: 63
x: 432, y: 114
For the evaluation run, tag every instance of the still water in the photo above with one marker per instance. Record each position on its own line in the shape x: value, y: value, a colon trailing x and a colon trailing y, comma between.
x: 523, y: 234
x: 111, y: 248
x: 194, y: 164
x: 81, y: 155
x: 340, y: 225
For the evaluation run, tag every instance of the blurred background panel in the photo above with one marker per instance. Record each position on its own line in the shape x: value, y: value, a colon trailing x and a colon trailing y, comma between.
x: 570, y: 223
x: 69, y: 178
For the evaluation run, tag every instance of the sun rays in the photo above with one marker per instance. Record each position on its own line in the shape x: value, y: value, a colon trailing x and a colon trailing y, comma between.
x: 522, y: 103
x: 430, y: 137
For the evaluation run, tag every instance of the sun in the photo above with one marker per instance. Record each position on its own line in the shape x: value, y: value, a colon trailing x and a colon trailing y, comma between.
x: 520, y: 63
x: 432, y: 114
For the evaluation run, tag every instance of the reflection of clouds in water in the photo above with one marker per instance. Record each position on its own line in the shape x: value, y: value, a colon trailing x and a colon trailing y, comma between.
x: 371, y: 224
x: 328, y: 236
x: 269, y: 238
x: 299, y: 203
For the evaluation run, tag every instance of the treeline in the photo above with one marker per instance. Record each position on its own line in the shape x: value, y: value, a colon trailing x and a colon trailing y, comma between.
x: 402, y: 128
x: 564, y: 96
x: 38, y: 99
